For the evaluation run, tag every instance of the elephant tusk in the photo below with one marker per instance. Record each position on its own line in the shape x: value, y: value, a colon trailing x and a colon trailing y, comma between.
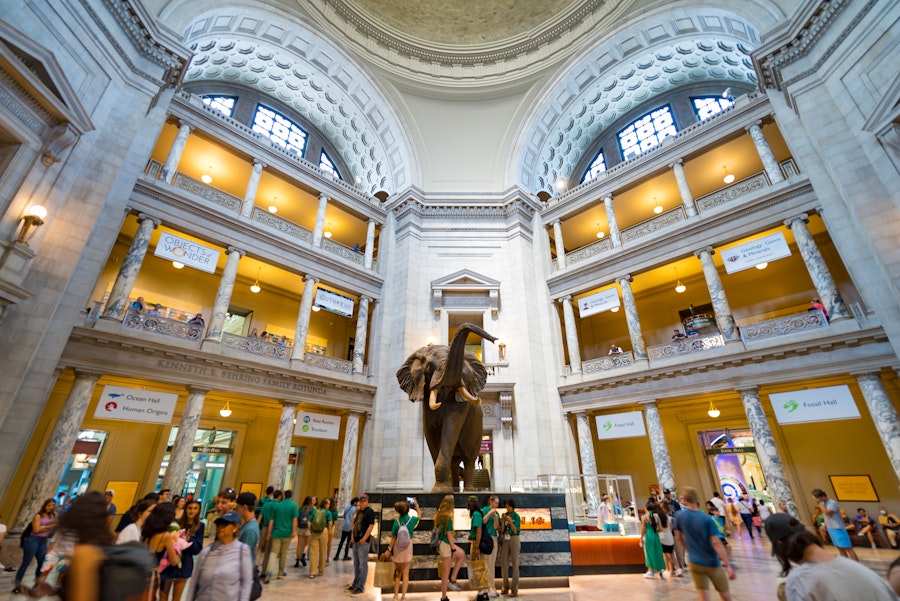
x: 432, y: 400
x: 465, y: 393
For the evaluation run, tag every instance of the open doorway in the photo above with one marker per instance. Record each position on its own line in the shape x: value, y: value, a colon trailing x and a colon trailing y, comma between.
x: 734, y: 463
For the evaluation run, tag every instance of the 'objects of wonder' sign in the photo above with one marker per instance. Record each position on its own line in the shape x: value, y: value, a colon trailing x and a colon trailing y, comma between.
x: 136, y: 405
x: 755, y: 252
x: 814, y: 405
x: 318, y: 425
x: 185, y: 251
x: 620, y: 425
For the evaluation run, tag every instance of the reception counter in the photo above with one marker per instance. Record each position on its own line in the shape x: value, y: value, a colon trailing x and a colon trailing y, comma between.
x: 596, y: 553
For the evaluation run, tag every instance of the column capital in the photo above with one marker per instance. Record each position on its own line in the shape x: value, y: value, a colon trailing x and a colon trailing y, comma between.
x: 289, y: 403
x: 310, y: 279
x: 650, y: 403
x: 789, y: 222
x: 372, y: 221
x: 257, y: 163
x: 555, y: 223
x: 624, y: 279
x: 756, y: 123
x: 751, y: 389
x: 197, y: 390
x: 866, y: 374
x: 181, y: 122
x: 368, y: 299
x: 323, y: 198
x: 565, y: 299
x: 708, y: 249
x: 607, y: 198
x: 232, y: 249
x: 144, y: 217
x: 85, y: 374
x: 676, y: 162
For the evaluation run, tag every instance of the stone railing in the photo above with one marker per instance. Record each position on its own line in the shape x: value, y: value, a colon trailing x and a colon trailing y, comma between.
x: 329, y: 363
x: 586, y: 252
x: 153, y: 169
x: 340, y: 250
x: 645, y: 228
x: 616, y: 361
x: 791, y: 324
x: 162, y: 325
x: 735, y: 190
x: 208, y: 192
x: 290, y: 229
x: 255, y: 346
x: 685, y: 346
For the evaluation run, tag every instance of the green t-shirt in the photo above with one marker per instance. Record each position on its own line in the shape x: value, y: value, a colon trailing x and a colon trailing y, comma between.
x: 282, y: 521
x: 489, y: 520
x: 444, y: 529
x: 477, y: 522
x: 409, y: 522
x: 267, y: 513
x: 517, y: 523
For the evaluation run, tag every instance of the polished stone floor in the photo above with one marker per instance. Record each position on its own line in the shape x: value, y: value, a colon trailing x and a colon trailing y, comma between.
x: 757, y: 579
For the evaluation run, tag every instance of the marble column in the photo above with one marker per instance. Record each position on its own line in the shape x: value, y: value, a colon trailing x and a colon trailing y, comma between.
x: 614, y: 232
x: 370, y: 245
x: 359, y: 341
x: 769, y: 459
x: 346, y: 485
x: 818, y: 270
x: 883, y: 414
x: 302, y: 328
x: 721, y: 308
x: 183, y: 447
x: 223, y: 295
x: 687, y: 198
x: 174, y: 157
x: 364, y: 477
x: 658, y: 447
x: 571, y: 335
x: 131, y: 266
x: 320, y: 221
x: 631, y: 318
x: 53, y: 459
x: 281, y: 452
x: 558, y: 242
x: 770, y: 163
x: 588, y: 463
x: 252, y: 187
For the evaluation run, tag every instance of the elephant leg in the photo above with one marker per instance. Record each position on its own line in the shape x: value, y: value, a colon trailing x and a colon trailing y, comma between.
x: 469, y: 474
x: 470, y: 444
x: 452, y: 426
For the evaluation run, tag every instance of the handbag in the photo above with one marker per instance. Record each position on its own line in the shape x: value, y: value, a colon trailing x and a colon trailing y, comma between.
x: 384, y: 574
x: 435, y: 543
x: 477, y: 575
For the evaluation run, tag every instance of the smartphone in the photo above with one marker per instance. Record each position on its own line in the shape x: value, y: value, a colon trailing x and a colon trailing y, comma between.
x: 410, y: 500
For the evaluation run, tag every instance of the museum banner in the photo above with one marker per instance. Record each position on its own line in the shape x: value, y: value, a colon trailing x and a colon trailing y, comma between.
x: 318, y: 425
x: 620, y: 425
x: 193, y: 254
x: 334, y: 302
x: 599, y: 302
x: 814, y: 405
x: 753, y: 253
x: 136, y: 405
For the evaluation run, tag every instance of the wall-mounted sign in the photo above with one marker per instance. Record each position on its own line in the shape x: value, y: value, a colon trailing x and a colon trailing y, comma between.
x: 854, y: 488
x: 750, y: 254
x: 136, y: 405
x: 192, y: 254
x: 814, y: 405
x: 487, y: 446
x: 620, y: 425
x: 598, y: 302
x: 535, y: 519
x: 334, y: 302
x: 318, y: 425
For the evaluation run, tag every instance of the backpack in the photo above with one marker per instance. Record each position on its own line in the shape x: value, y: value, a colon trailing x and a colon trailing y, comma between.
x: 435, y: 543
x: 127, y: 573
x: 303, y: 520
x: 319, y: 521
x: 486, y: 545
x: 403, y: 538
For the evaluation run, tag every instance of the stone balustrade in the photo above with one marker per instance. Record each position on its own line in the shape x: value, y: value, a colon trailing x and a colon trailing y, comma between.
x: 685, y: 346
x: 593, y: 366
x: 288, y: 228
x: 782, y: 326
x: 162, y: 325
x: 255, y: 346
x: 329, y: 363
x: 342, y: 251
x: 497, y: 369
x: 732, y: 192
x: 209, y: 193
x: 591, y: 250
x: 654, y: 224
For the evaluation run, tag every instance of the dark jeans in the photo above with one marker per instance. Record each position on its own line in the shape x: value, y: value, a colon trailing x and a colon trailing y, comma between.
x: 360, y: 565
x: 35, y: 546
x: 345, y: 536
x: 748, y: 522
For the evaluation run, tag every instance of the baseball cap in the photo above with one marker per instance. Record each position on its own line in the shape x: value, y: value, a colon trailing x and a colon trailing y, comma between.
x: 781, y: 525
x: 364, y: 496
x: 229, y: 518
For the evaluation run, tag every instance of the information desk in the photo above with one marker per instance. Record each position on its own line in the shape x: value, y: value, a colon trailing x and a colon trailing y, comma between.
x: 597, y: 553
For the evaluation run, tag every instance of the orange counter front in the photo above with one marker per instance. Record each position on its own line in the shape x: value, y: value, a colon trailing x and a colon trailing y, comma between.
x: 597, y: 554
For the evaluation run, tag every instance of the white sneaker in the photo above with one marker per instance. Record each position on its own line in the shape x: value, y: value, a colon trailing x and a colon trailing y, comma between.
x: 679, y: 572
x: 649, y: 575
x: 453, y: 586
x: 493, y: 593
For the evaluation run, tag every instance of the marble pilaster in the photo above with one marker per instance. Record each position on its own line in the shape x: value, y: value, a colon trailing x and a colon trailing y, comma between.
x: 658, y: 447
x: 369, y: 256
x: 359, y: 342
x: 53, y: 459
x: 364, y: 477
x: 279, y: 465
x: 252, y: 187
x: 769, y: 459
x: 818, y: 270
x: 883, y: 414
x: 631, y: 318
x: 614, y: 232
x: 131, y: 265
x: 571, y: 334
x: 588, y: 463
x: 770, y: 163
x: 348, y: 459
x: 687, y: 198
x: 558, y: 243
x: 183, y: 448
x: 223, y: 295
x: 721, y: 308
x: 302, y: 329
x: 170, y: 167
x: 320, y: 221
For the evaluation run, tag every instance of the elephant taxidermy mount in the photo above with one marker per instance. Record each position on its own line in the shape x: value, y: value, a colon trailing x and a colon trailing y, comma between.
x: 447, y: 380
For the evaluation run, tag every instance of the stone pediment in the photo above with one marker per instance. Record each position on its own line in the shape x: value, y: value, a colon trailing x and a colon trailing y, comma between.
x: 465, y: 289
x: 464, y: 279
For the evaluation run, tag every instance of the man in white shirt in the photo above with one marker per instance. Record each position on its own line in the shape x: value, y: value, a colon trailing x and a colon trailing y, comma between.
x: 719, y: 504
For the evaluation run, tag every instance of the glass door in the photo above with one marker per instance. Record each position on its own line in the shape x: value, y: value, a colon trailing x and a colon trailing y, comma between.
x: 211, y: 453
x: 80, y: 465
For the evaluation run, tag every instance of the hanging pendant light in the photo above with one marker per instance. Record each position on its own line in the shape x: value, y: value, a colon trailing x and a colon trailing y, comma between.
x: 255, y: 287
x: 713, y: 412
x: 729, y: 177
x: 226, y: 410
x: 327, y: 233
x: 206, y: 178
x: 679, y: 287
x: 657, y: 208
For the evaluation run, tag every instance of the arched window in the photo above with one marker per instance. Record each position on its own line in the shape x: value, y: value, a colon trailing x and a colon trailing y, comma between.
x: 597, y: 166
x: 327, y: 165
x: 279, y: 129
x: 647, y: 131
x: 224, y: 104
x: 707, y: 106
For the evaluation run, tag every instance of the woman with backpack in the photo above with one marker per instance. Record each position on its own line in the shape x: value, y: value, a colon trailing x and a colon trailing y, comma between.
x: 448, y: 550
x: 306, y: 509
x: 318, y: 538
x: 401, y: 546
x: 34, y: 543
x: 224, y: 569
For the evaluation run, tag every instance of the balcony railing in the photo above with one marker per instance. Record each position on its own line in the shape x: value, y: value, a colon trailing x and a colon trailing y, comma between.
x: 732, y: 192
x: 255, y: 346
x: 645, y: 228
x: 284, y: 226
x: 340, y: 250
x: 161, y: 325
x: 615, y: 361
x: 685, y: 346
x: 329, y: 363
x: 591, y: 250
x: 208, y: 192
x: 497, y: 369
x: 791, y: 324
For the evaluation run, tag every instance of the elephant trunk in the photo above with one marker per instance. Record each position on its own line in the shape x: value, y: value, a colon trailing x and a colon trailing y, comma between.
x: 432, y: 400
x: 456, y: 356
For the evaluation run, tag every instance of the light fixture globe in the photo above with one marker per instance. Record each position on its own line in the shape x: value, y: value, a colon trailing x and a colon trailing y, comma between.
x: 254, y: 288
x: 600, y: 235
x: 658, y: 209
x: 226, y: 410
x: 273, y: 209
x: 679, y: 287
x: 38, y: 211
x: 761, y: 266
x: 177, y: 264
x: 713, y: 412
x: 729, y: 177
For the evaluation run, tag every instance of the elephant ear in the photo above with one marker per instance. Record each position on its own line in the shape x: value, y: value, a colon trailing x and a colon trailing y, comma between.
x: 474, y: 376
x: 411, y: 376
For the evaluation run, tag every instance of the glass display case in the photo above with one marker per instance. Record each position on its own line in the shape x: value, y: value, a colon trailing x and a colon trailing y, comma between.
x: 598, y: 503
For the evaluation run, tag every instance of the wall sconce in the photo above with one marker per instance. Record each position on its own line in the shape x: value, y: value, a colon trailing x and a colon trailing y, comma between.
x: 206, y: 178
x: 502, y: 347
x: 177, y: 265
x: 729, y: 177
x: 255, y: 287
x: 713, y: 412
x: 32, y: 219
x: 679, y: 287
x: 226, y: 410
x: 327, y: 233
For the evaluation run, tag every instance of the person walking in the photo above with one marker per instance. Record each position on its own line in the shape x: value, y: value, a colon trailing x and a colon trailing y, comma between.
x: 448, y: 550
x: 34, y: 546
x: 510, y: 527
x: 249, y: 530
x: 266, y: 518
x: 346, y: 529
x: 303, y: 515
x: 651, y: 522
x: 363, y: 522
x: 224, y: 569
x: 743, y: 507
x: 835, y: 524
x: 696, y: 531
x: 401, y: 547
x: 318, y: 541
x: 282, y: 528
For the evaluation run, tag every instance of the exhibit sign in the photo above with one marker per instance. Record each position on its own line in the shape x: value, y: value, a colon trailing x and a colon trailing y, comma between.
x: 620, y: 425
x: 599, y: 302
x: 334, y: 302
x: 136, y: 405
x: 535, y: 519
x: 318, y: 425
x: 193, y: 254
x: 814, y: 405
x: 750, y: 254
x: 854, y: 488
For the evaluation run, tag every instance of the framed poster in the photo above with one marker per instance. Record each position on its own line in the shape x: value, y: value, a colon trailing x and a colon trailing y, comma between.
x: 535, y: 519
x: 854, y: 488
x: 255, y: 487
